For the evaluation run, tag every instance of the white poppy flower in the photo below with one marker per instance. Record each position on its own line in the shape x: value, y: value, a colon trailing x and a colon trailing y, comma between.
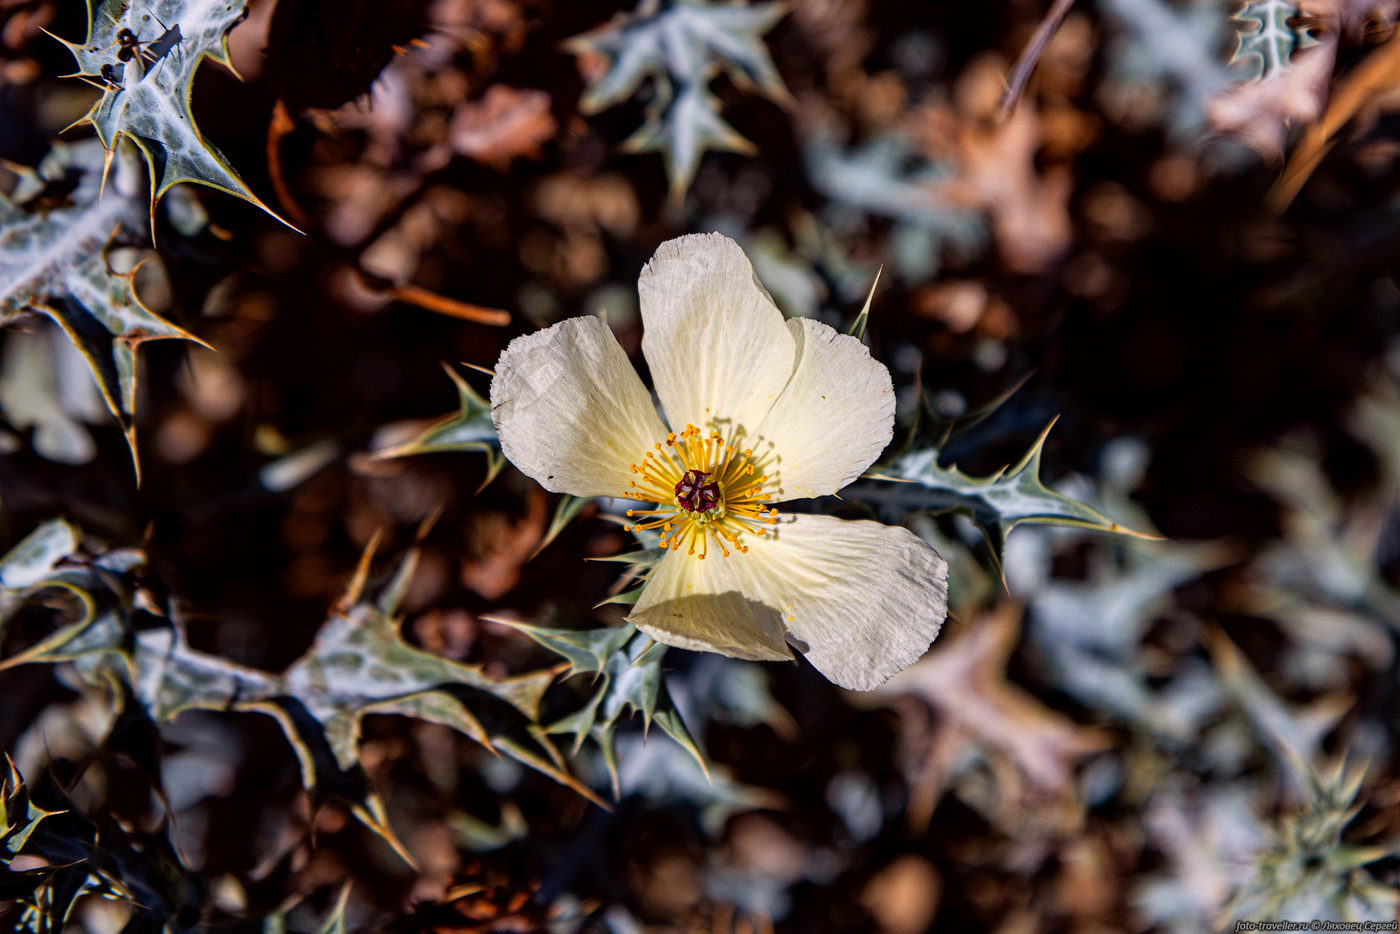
x: 762, y: 410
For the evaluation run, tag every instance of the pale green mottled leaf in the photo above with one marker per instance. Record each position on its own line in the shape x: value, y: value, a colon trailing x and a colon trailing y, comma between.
x: 359, y: 664
x: 1294, y: 733
x: 470, y: 429
x: 627, y: 666
x: 565, y: 511
x: 1266, y: 42
x: 55, y: 260
x: 585, y: 650
x: 997, y: 503
x: 147, y: 97
x: 36, y: 556
x: 1308, y: 869
x: 681, y: 45
x: 887, y: 177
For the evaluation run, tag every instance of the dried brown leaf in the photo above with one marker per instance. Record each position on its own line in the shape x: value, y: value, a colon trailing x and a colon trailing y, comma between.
x: 506, y: 124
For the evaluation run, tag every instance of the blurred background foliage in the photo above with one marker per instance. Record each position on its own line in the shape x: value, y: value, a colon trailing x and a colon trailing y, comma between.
x: 332, y: 666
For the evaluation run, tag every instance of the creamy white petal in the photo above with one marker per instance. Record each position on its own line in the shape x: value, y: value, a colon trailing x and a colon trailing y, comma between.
x: 571, y: 411
x: 833, y: 418
x: 714, y: 605
x: 718, y: 347
x: 861, y: 600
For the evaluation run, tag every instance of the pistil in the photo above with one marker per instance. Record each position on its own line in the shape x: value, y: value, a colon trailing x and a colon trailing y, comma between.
x: 704, y: 488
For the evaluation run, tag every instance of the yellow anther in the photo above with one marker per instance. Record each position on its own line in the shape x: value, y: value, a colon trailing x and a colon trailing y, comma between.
x: 733, y: 504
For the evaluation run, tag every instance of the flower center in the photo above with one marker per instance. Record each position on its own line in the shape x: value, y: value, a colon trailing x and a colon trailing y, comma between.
x: 704, y: 488
x: 695, y: 494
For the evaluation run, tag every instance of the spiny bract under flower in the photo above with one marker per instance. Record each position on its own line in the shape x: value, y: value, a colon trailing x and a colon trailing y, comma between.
x: 765, y: 411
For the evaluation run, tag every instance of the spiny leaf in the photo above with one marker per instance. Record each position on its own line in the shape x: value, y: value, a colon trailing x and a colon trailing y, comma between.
x: 997, y: 503
x: 335, y: 921
x: 359, y: 664
x: 1266, y: 42
x: 887, y: 177
x: 45, y: 907
x: 627, y: 664
x: 55, y: 260
x: 682, y: 45
x: 858, y: 326
x: 19, y: 816
x: 639, y: 563
x: 99, y: 857
x: 1157, y: 42
x: 1307, y: 870
x: 565, y: 511
x: 35, y: 557
x: 1294, y: 735
x: 146, y: 87
x: 470, y: 429
x: 584, y: 650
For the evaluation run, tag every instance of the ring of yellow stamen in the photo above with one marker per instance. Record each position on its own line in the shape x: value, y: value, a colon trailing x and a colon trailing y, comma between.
x: 690, y: 471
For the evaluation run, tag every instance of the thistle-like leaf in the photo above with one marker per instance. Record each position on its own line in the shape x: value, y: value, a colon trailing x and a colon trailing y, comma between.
x: 36, y: 556
x: 1294, y: 734
x: 639, y: 564
x: 566, y: 511
x: 359, y: 664
x: 627, y: 666
x: 470, y: 429
x: 55, y: 259
x: 857, y: 329
x: 1265, y: 40
x: 146, y: 84
x: 81, y: 858
x: 1308, y: 870
x: 19, y: 818
x: 997, y: 503
x: 1156, y: 43
x: 681, y: 45
x: 886, y: 177
x: 43, y: 905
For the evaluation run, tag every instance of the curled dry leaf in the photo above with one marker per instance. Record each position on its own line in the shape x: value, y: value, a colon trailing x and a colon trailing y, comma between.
x: 506, y: 124
x: 965, y: 681
x: 1027, y: 206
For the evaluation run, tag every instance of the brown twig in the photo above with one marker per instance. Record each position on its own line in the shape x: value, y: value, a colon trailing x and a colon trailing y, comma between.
x: 277, y: 129
x: 432, y: 301
x: 1378, y: 73
x: 1030, y: 55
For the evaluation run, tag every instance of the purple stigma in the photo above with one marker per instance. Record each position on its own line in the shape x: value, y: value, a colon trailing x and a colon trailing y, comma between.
x: 694, y: 494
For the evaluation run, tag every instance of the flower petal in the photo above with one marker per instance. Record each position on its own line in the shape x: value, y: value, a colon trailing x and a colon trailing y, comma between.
x: 571, y: 411
x: 834, y: 417
x: 717, y: 345
x: 861, y: 600
x: 711, y: 606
